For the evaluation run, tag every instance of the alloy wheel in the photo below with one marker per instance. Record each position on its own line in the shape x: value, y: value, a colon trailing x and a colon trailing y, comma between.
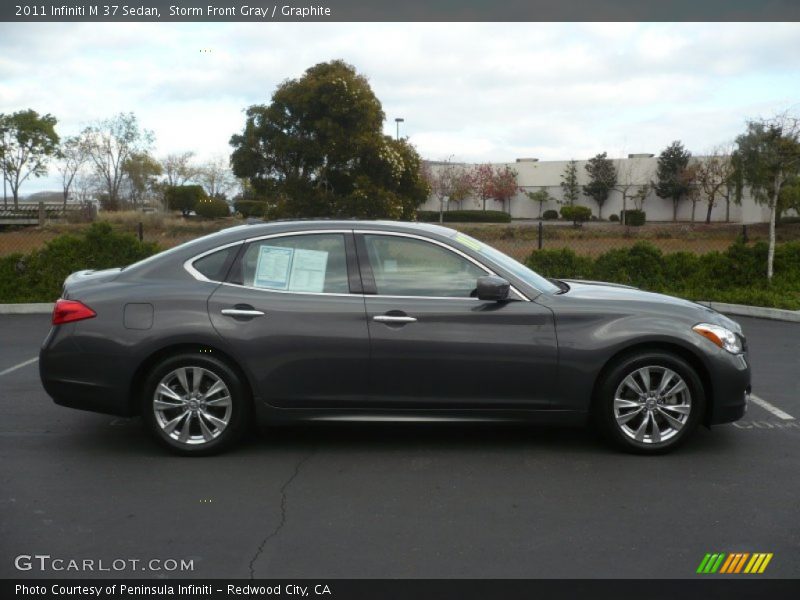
x: 652, y: 404
x: 192, y: 405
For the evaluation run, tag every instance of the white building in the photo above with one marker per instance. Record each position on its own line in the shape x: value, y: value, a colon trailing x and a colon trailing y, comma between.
x: 639, y: 169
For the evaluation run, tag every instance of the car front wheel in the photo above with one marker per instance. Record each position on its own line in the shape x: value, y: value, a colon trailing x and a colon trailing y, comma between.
x: 195, y: 405
x: 650, y: 403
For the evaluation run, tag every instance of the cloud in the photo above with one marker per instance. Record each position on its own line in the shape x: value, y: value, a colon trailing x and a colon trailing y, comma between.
x: 479, y: 91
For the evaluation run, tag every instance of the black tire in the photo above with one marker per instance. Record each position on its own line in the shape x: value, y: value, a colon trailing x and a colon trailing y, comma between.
x: 620, y: 434
x: 239, y: 407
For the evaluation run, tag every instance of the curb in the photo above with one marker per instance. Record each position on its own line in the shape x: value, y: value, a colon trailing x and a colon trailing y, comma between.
x: 742, y: 310
x: 761, y: 312
x: 35, y: 308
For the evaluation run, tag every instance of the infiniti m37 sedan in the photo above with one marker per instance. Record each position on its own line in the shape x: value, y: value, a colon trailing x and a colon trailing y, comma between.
x: 382, y: 321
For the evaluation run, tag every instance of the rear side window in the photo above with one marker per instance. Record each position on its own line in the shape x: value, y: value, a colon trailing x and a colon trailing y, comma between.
x: 215, y: 266
x: 314, y: 263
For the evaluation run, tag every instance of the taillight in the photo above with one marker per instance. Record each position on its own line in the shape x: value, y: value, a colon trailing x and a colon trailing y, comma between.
x: 68, y: 311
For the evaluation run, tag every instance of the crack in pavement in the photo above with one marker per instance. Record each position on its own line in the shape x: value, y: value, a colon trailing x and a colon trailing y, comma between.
x: 282, y: 522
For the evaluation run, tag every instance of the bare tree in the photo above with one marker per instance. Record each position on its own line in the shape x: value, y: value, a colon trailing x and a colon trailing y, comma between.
x: 713, y: 176
x: 178, y: 168
x: 109, y: 144
x: 216, y: 177
x: 73, y: 156
x: 626, y: 183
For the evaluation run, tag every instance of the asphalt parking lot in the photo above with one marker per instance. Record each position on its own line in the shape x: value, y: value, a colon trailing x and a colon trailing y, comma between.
x: 398, y: 501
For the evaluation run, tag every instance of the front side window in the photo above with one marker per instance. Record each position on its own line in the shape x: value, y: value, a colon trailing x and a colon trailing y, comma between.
x: 314, y: 263
x: 405, y: 266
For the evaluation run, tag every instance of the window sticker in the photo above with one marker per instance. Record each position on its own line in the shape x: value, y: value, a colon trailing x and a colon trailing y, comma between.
x: 468, y: 242
x: 272, y: 267
x: 308, y: 271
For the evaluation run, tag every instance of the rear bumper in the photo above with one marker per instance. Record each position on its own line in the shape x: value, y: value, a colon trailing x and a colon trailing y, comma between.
x: 87, y: 396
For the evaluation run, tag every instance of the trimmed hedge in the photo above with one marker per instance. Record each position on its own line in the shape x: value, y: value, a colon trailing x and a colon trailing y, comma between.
x: 634, y: 218
x: 212, y: 208
x: 576, y: 214
x: 39, y: 275
x: 737, y: 275
x: 465, y: 216
x: 251, y: 208
x: 550, y: 215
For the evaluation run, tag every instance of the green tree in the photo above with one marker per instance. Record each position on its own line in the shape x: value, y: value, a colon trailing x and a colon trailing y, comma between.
x: 142, y: 172
x: 789, y: 197
x: 27, y: 142
x: 769, y: 157
x: 671, y: 181
x: 109, y: 144
x: 569, y: 183
x: 319, y: 149
x: 184, y: 197
x: 602, y: 180
x: 541, y: 196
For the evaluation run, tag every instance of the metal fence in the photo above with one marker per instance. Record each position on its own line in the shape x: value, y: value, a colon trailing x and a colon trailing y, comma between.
x: 517, y: 240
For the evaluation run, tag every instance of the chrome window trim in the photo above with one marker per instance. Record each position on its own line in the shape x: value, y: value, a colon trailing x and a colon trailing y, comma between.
x: 188, y: 266
x: 452, y: 249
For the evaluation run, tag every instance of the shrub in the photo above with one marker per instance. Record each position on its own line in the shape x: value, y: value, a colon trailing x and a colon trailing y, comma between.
x: 614, y: 217
x: 641, y: 265
x: 550, y: 215
x: 184, y: 197
x: 465, y: 216
x: 576, y: 214
x: 562, y: 263
x: 251, y: 208
x: 634, y: 217
x: 39, y: 275
x: 212, y: 208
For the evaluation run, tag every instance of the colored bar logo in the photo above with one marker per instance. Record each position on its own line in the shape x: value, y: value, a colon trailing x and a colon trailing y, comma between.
x: 735, y: 562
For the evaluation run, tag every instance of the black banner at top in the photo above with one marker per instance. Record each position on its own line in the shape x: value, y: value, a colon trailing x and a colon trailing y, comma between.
x: 392, y: 10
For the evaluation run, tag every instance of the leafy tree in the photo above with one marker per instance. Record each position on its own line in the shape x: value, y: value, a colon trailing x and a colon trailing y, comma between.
x: 73, y: 156
x: 713, y: 174
x: 769, y: 157
x: 441, y: 180
x: 27, y: 142
x: 569, y: 183
x: 184, y: 197
x: 670, y: 176
x: 789, y: 197
x: 318, y: 147
x: 689, y: 177
x: 602, y: 180
x: 482, y: 177
x: 142, y: 172
x: 640, y: 196
x: 576, y: 214
x: 542, y: 196
x: 504, y: 185
x: 109, y: 144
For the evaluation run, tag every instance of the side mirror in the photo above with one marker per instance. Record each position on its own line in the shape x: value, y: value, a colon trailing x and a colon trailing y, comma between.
x: 492, y: 288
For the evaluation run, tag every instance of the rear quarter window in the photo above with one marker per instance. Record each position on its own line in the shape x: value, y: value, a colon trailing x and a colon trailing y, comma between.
x: 215, y: 266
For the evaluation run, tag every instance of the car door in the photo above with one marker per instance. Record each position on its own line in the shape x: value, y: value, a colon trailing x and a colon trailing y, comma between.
x: 434, y: 345
x: 292, y: 308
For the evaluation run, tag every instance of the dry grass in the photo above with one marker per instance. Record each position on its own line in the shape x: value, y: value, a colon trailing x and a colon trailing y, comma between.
x: 516, y: 239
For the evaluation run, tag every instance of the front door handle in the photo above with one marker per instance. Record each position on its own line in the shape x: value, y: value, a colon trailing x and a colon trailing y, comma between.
x: 393, y: 319
x: 241, y: 312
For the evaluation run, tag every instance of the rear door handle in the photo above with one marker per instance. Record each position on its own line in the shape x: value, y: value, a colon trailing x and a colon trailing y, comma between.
x: 241, y: 312
x: 393, y: 319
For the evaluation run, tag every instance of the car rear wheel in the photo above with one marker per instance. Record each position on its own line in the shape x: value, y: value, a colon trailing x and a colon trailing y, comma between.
x: 650, y: 403
x: 195, y: 404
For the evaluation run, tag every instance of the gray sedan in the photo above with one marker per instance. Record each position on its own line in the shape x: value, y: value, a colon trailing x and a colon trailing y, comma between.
x: 382, y: 321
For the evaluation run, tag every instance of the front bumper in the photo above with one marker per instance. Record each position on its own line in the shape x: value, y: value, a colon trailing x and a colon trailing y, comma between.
x: 730, y: 388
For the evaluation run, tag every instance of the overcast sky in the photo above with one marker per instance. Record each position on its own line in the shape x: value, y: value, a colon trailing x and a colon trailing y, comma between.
x: 479, y: 92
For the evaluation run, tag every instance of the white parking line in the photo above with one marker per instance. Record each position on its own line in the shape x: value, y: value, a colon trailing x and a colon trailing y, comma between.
x: 765, y: 405
x: 19, y: 366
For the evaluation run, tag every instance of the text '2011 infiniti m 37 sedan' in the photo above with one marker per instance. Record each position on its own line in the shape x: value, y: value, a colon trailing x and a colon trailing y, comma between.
x: 371, y: 321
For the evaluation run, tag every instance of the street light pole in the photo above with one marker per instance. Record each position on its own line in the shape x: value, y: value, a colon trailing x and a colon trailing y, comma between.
x: 398, y: 120
x: 5, y: 196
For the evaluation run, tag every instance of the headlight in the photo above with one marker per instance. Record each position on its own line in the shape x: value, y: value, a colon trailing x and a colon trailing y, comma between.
x: 722, y: 337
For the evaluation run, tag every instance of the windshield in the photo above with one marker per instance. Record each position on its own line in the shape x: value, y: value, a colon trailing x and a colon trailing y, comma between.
x: 509, y: 264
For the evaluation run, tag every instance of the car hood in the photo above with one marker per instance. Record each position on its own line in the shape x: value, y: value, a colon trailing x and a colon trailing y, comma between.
x: 616, y: 294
